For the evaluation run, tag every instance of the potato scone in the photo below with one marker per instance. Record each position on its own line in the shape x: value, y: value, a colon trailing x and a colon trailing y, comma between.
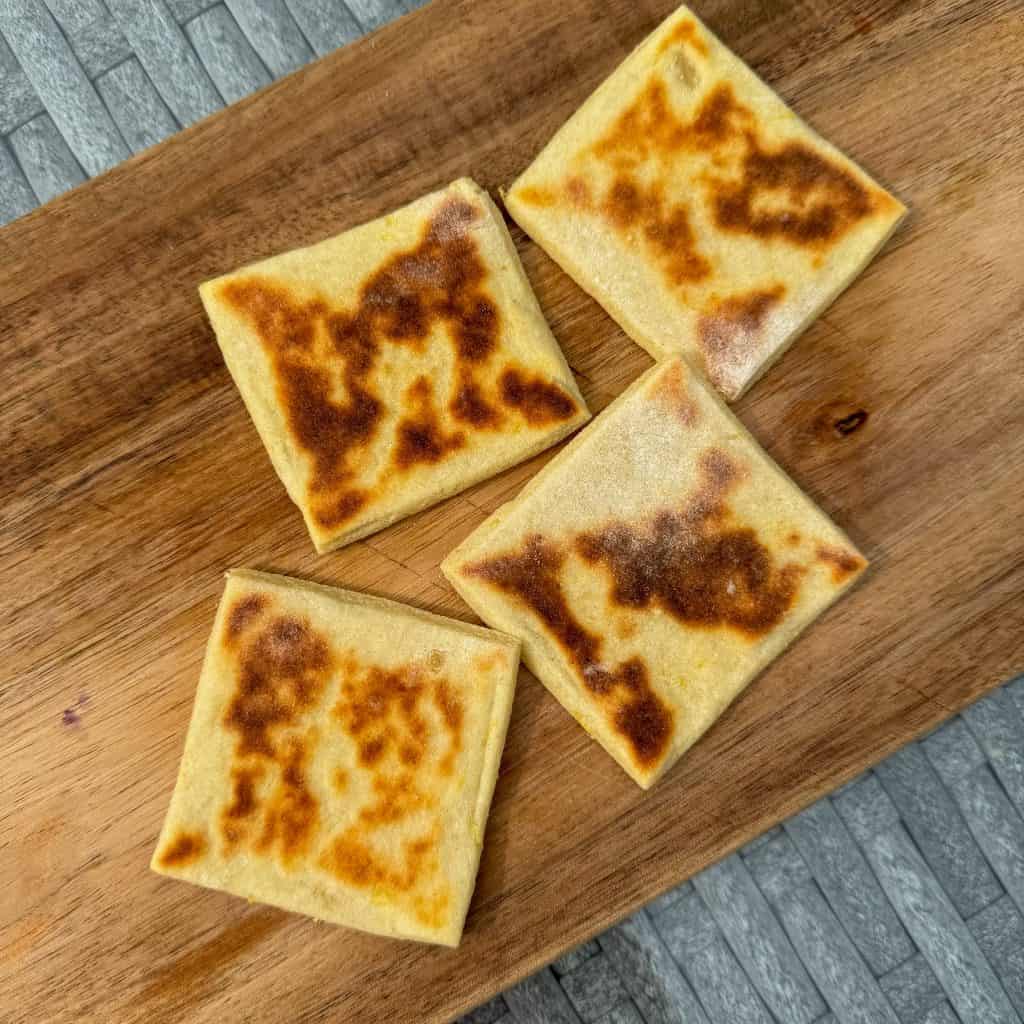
x: 341, y: 758
x: 654, y: 567
x: 699, y: 210
x: 396, y: 364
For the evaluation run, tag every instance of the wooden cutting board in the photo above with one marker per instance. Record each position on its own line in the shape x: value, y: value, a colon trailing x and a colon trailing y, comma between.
x: 132, y: 478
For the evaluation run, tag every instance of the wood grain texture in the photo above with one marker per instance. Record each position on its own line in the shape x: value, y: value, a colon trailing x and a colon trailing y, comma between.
x: 132, y: 478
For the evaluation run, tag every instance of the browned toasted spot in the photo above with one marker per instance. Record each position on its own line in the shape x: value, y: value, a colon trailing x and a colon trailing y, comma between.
x: 281, y: 674
x: 793, y: 539
x: 578, y: 191
x: 536, y: 399
x: 421, y: 437
x: 395, y: 797
x: 632, y: 207
x: 452, y: 712
x: 793, y: 193
x: 183, y: 849
x: 340, y: 509
x: 672, y: 392
x: 243, y: 613
x: 439, y: 283
x: 730, y: 332
x: 291, y: 811
x: 719, y: 118
x: 842, y: 562
x: 351, y: 858
x: 470, y: 406
x: 532, y: 576
x: 536, y: 195
x: 340, y: 780
x: 244, y: 804
x: 430, y: 910
x: 693, y: 565
x: 488, y: 662
x: 685, y: 31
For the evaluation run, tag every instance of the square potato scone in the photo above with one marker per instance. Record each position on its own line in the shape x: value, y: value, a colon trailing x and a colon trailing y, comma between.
x: 654, y: 567
x: 699, y: 210
x: 341, y: 758
x: 396, y: 364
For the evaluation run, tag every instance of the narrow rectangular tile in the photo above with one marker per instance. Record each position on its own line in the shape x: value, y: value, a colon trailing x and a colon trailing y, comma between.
x: 912, y: 989
x: 953, y: 750
x: 100, y: 46
x: 19, y: 101
x: 777, y: 867
x: 941, y: 1014
x: 270, y: 27
x: 571, y: 960
x: 840, y: 973
x: 227, y: 54
x: 625, y: 1013
x: 16, y: 197
x: 136, y: 106
x: 327, y: 24
x: 74, y: 15
x: 850, y: 887
x: 999, y: 931
x: 686, y: 927
x: 167, y: 57
x: 670, y: 898
x: 998, y: 726
x: 649, y: 973
x: 723, y: 989
x: 185, y: 10
x: 62, y: 85
x: 487, y: 1013
x: 540, y: 1000
x: 996, y: 825
x: 759, y: 841
x: 866, y: 808
x: 372, y: 14
x: 938, y: 828
x: 741, y: 911
x: 594, y: 988
x: 936, y: 927
x: 49, y: 165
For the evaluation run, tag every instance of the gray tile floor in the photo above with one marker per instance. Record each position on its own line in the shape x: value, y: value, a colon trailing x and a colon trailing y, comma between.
x: 900, y: 898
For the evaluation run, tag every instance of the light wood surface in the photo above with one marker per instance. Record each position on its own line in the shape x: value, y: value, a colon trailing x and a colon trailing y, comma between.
x: 132, y: 478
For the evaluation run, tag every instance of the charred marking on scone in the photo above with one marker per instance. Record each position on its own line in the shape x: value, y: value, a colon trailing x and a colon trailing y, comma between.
x: 788, y: 192
x: 686, y: 32
x: 243, y: 613
x: 731, y: 333
x: 282, y: 667
x: 632, y: 706
x: 694, y: 565
x: 388, y: 713
x: 690, y: 562
x: 536, y: 399
x: 421, y: 438
x: 672, y: 393
x: 281, y: 673
x: 842, y: 562
x: 291, y: 813
x: 183, y: 849
x: 440, y: 283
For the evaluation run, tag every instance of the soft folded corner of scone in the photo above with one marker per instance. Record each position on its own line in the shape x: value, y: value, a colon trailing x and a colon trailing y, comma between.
x: 394, y: 365
x: 698, y: 209
x: 654, y: 567
x: 341, y: 758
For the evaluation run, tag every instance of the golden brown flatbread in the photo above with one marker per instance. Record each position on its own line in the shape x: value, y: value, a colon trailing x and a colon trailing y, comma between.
x: 392, y: 366
x: 341, y: 758
x: 699, y: 210
x: 654, y: 567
